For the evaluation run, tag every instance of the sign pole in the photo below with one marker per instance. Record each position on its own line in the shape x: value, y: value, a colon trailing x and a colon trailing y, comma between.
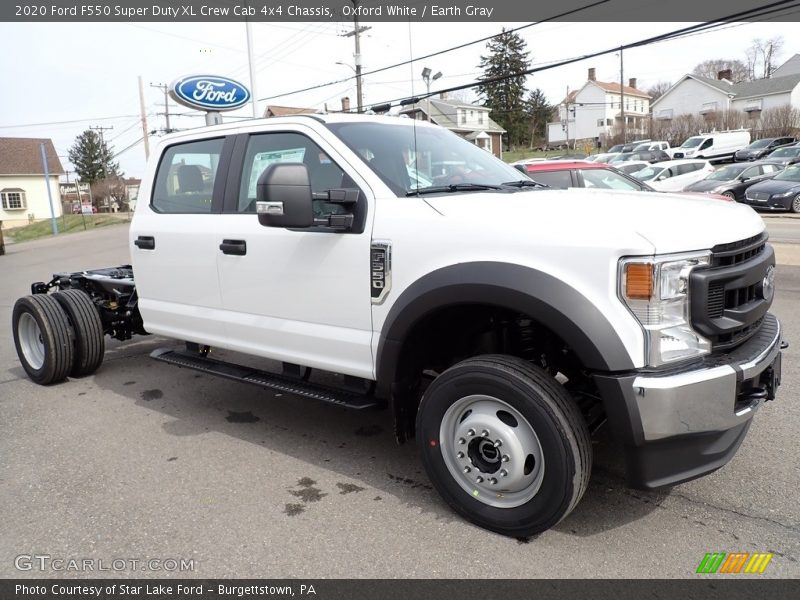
x: 53, y: 221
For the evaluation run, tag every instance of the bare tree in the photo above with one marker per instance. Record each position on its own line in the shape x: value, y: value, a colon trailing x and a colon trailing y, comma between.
x: 658, y: 89
x: 762, y: 57
x: 711, y: 68
x: 780, y: 120
x: 111, y: 189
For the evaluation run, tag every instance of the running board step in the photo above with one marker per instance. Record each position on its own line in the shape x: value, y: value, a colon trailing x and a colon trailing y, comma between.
x: 271, y: 381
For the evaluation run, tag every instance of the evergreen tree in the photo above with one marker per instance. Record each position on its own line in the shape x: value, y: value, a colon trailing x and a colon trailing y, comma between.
x: 539, y: 112
x: 92, y: 159
x: 507, y: 55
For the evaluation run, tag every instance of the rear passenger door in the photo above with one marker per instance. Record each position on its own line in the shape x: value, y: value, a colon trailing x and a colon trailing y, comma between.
x: 173, y: 244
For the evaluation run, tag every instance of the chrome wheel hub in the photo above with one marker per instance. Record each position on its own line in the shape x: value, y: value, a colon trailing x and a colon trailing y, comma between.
x: 30, y: 340
x: 491, y: 451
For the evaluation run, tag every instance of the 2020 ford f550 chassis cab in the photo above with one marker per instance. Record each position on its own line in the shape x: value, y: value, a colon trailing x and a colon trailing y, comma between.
x: 501, y: 323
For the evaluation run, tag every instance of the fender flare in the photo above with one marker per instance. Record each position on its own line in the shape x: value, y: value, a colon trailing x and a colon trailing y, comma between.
x: 543, y: 297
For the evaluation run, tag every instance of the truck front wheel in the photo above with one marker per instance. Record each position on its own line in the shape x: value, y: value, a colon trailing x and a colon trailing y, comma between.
x: 504, y: 444
x: 42, y: 338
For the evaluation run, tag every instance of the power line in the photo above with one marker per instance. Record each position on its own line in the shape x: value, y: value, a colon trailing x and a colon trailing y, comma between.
x: 386, y: 104
x: 68, y: 122
x: 459, y: 47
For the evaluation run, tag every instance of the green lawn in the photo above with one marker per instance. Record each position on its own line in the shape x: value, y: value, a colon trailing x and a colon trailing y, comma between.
x: 510, y: 157
x: 66, y: 224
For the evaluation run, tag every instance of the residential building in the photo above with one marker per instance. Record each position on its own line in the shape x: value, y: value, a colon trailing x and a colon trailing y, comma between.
x: 23, y: 187
x: 696, y: 95
x: 284, y: 111
x: 470, y: 121
x: 594, y: 112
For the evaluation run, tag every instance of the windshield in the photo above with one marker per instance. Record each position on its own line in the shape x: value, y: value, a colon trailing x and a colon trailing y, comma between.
x: 693, y: 142
x: 759, y: 144
x: 621, y: 157
x: 648, y: 173
x: 789, y: 174
x: 617, y: 148
x: 642, y: 147
x: 601, y: 178
x: 411, y: 159
x: 727, y: 173
x: 785, y: 152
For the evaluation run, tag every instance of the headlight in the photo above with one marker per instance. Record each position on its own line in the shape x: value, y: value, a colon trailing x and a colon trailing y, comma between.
x: 656, y: 290
x: 783, y: 194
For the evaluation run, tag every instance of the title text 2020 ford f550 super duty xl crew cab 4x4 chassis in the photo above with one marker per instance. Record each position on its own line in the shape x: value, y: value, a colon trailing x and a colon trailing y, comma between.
x: 501, y: 323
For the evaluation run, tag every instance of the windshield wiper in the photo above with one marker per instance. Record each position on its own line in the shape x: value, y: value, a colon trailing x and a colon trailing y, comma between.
x: 521, y: 183
x: 454, y: 187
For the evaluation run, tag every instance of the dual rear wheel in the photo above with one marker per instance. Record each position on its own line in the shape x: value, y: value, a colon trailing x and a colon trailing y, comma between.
x: 58, y: 335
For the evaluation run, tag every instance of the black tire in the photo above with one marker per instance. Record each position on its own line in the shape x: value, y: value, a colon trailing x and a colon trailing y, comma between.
x: 87, y: 329
x: 795, y: 205
x: 42, y: 338
x: 562, y: 433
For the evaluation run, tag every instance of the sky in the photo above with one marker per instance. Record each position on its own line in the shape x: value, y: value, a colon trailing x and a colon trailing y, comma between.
x: 87, y: 73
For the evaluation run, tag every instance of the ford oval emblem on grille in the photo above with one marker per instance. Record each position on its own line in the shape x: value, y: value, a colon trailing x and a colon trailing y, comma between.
x: 768, y: 284
x: 209, y: 92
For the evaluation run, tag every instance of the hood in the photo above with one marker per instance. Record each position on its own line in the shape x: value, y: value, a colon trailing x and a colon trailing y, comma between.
x: 773, y: 186
x: 605, y: 218
x: 750, y: 152
x: 706, y: 185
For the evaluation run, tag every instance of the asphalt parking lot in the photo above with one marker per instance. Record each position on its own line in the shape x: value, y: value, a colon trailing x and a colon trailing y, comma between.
x: 146, y: 461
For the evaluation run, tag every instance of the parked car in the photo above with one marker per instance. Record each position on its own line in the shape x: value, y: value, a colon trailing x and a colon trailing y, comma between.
x: 720, y: 145
x: 616, y: 149
x: 733, y: 180
x: 602, y: 157
x: 787, y: 155
x: 781, y: 192
x: 631, y: 167
x: 78, y: 209
x: 563, y: 175
x: 659, y: 145
x: 760, y: 148
x: 675, y: 175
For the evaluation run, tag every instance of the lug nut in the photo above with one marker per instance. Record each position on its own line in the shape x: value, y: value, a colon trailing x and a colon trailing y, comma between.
x: 471, y: 432
x: 462, y: 441
x: 479, y: 479
x: 503, y: 473
x: 467, y: 469
x: 492, y: 481
x: 460, y: 454
x: 498, y: 443
x: 485, y: 432
x: 505, y: 458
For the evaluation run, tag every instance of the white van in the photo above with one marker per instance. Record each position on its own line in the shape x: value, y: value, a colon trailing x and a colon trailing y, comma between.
x: 714, y: 146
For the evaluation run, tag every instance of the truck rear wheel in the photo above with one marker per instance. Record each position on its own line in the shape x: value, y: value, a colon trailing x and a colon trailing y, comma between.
x: 87, y: 331
x: 42, y: 338
x: 504, y: 444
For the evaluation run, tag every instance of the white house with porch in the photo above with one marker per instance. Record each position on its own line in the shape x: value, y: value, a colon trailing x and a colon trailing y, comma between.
x: 595, y: 112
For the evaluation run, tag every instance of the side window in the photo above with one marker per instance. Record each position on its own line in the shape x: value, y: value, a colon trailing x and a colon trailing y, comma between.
x: 707, y: 144
x: 768, y: 169
x: 186, y: 174
x: 751, y: 172
x: 560, y: 180
x: 266, y: 149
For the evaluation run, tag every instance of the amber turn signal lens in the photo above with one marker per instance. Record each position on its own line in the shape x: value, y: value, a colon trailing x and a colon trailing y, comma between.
x: 639, y: 281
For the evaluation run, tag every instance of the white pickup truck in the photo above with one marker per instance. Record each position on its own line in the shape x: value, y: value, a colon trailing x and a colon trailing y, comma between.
x: 502, y: 323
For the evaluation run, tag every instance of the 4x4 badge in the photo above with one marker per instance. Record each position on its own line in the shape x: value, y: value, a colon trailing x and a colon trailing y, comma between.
x: 380, y: 270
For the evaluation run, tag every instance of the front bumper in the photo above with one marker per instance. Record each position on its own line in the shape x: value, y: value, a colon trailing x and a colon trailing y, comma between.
x: 682, y: 424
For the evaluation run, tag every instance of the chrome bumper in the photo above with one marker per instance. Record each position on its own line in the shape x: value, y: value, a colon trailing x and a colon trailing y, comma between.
x: 704, y: 400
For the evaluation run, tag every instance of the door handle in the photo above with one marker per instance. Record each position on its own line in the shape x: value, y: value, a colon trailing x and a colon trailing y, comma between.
x: 235, y: 247
x: 145, y: 242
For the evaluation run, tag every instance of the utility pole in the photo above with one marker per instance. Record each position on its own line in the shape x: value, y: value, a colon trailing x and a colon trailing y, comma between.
x: 357, y: 31
x: 101, y: 130
x: 164, y: 88
x: 251, y: 64
x: 53, y: 222
x: 145, y: 133
x: 622, y: 95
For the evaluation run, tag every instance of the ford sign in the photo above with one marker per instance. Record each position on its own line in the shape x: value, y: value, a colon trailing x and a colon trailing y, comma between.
x: 209, y: 92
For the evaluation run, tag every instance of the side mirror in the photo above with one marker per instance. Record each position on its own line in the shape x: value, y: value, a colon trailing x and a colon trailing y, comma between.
x: 661, y: 178
x: 743, y: 178
x: 283, y: 196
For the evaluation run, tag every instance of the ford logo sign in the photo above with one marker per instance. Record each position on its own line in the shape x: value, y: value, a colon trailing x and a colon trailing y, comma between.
x: 209, y: 92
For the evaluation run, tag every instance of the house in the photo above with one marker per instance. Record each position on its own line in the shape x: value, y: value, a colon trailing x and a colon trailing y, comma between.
x: 23, y: 188
x: 695, y: 95
x: 594, y: 112
x: 285, y: 111
x: 131, y: 190
x: 470, y: 121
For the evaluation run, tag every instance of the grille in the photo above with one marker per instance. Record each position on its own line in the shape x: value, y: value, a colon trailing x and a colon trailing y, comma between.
x: 726, y: 255
x: 727, y: 304
x: 757, y: 195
